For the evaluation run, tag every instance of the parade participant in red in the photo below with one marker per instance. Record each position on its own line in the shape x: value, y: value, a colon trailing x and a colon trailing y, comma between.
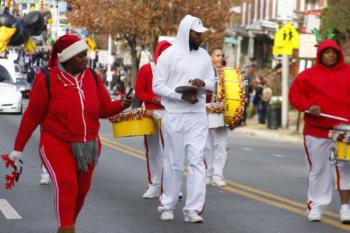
x: 143, y: 91
x: 67, y: 108
x: 323, y: 88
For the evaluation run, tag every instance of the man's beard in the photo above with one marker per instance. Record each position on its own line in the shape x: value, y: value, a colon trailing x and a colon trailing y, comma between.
x: 194, y: 46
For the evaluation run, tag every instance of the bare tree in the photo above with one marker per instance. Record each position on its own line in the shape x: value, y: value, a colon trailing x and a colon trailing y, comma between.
x: 141, y: 22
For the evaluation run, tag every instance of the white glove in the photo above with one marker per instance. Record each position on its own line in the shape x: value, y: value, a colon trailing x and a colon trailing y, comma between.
x: 158, y: 114
x: 15, y: 155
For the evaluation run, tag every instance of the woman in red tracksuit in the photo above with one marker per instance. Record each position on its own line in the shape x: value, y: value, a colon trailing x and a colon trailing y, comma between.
x: 68, y: 112
x: 324, y: 88
x: 143, y: 91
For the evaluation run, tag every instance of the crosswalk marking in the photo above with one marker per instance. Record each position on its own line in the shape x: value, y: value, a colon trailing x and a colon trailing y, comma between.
x: 8, y: 211
x: 246, y: 149
x: 278, y: 155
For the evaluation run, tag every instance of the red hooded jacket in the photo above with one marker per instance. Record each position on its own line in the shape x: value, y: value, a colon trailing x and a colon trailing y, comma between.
x: 143, y: 86
x: 329, y: 88
x: 70, y: 115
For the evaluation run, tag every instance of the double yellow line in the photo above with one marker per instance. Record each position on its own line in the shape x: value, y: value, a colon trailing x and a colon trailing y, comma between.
x: 244, y: 190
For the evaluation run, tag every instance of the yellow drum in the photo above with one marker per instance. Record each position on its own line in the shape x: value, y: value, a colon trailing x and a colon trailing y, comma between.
x: 341, y: 142
x: 132, y: 123
x: 232, y: 90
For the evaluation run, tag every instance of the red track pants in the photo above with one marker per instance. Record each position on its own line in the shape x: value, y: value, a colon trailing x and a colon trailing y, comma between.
x: 71, y: 186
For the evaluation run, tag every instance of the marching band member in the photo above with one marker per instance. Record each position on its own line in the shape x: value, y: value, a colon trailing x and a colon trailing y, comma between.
x: 217, y: 142
x: 323, y: 88
x: 67, y: 106
x: 185, y: 122
x: 144, y: 92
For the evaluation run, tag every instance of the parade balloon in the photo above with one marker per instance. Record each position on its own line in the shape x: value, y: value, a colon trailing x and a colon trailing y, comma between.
x: 17, y: 31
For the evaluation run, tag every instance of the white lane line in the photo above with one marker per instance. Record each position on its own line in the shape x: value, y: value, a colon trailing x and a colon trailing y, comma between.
x: 8, y: 211
x: 278, y: 155
x: 246, y: 149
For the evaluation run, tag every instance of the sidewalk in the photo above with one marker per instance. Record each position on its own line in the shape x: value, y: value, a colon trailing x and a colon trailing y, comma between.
x: 259, y: 130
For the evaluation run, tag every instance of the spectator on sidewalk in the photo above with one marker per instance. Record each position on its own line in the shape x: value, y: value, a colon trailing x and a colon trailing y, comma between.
x: 261, y: 99
x: 324, y: 88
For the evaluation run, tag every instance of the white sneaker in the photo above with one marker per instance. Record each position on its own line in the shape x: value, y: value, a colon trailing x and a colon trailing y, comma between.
x: 345, y: 214
x: 151, y: 192
x: 218, y: 183
x: 167, y: 215
x: 314, y: 215
x: 160, y: 208
x: 193, y: 217
x: 208, y: 180
x: 45, y: 179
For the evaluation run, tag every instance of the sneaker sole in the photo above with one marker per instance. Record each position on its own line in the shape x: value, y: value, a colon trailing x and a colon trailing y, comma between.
x: 314, y: 220
x: 347, y: 222
x: 187, y: 219
x: 152, y: 197
x: 167, y: 219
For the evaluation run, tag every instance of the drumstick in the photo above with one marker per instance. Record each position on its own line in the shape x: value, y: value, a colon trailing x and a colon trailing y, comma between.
x: 331, y: 116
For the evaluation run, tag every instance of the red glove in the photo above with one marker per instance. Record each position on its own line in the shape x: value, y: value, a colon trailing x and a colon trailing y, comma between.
x: 156, y: 100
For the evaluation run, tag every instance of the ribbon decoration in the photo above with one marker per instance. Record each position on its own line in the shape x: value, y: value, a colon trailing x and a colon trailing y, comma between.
x: 16, y: 171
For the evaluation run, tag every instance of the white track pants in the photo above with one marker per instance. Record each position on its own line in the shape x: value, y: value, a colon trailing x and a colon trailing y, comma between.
x: 185, y: 135
x: 321, y: 173
x: 216, y: 152
x: 153, y: 158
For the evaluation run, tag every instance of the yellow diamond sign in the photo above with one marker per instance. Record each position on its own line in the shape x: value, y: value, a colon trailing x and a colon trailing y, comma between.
x: 286, y: 39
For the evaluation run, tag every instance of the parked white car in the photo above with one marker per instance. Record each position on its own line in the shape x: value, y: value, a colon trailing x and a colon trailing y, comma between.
x: 11, y: 99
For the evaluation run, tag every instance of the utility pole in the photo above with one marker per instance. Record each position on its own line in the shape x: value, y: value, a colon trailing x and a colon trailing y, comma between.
x: 285, y: 78
x: 109, y: 65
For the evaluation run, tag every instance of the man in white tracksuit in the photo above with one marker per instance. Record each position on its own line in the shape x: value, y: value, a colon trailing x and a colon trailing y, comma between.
x: 185, y: 121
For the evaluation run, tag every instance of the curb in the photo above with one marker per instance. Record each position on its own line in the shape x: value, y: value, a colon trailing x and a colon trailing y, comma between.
x: 276, y: 136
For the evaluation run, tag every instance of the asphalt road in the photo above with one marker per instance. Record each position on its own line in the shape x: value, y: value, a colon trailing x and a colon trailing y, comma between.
x: 266, y: 191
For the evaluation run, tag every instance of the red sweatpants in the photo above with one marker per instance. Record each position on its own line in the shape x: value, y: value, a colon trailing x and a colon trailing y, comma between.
x: 71, y: 186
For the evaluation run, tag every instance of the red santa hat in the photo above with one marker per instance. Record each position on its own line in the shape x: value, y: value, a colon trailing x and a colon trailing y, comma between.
x: 65, y: 48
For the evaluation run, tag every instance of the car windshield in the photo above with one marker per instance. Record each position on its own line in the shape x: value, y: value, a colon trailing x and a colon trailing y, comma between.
x: 5, y: 75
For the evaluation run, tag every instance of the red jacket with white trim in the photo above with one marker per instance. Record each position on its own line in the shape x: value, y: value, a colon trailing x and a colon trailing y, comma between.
x: 329, y: 88
x: 71, y: 114
x: 143, y: 86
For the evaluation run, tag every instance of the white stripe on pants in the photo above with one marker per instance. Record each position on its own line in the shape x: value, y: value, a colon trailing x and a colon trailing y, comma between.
x: 321, y: 175
x: 185, y: 135
x: 343, y: 175
x: 154, y: 158
x: 216, y: 152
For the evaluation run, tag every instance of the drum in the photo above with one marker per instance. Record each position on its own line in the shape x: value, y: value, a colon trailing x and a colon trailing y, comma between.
x: 215, y: 114
x: 132, y: 123
x: 232, y: 90
x: 341, y: 142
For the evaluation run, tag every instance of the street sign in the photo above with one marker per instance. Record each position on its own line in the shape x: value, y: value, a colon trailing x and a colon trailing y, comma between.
x: 285, y: 9
x: 104, y: 57
x: 286, y: 39
x: 308, y: 48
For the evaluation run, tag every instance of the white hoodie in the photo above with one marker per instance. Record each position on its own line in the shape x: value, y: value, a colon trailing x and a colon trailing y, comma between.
x: 176, y: 66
